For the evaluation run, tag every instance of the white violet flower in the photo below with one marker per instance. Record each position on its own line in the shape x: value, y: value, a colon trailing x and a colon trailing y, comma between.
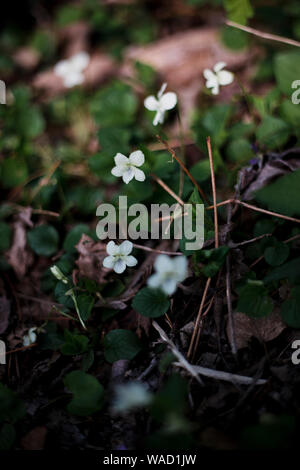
x: 58, y: 274
x: 169, y: 272
x: 30, y: 338
x: 161, y: 104
x: 71, y: 70
x: 119, y: 257
x: 131, y: 396
x: 127, y: 166
x: 218, y: 77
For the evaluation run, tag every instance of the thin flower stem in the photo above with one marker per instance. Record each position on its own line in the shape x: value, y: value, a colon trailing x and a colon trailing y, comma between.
x: 162, y: 252
x: 198, y: 317
x: 166, y: 188
x: 182, y: 166
x: 213, y: 184
x: 262, y: 34
x: 254, y: 208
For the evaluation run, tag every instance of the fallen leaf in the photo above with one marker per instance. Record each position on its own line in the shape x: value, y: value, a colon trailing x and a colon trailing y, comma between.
x: 34, y: 439
x: 265, y: 328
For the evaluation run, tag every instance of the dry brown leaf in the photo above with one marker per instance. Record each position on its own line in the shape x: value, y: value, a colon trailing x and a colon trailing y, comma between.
x: 26, y: 57
x: 91, y: 255
x: 34, y: 439
x: 265, y: 328
x: 18, y: 256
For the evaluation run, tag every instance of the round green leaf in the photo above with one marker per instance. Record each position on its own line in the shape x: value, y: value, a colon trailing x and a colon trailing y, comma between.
x: 151, y: 302
x: 121, y: 344
x: 74, y: 236
x: 277, y: 254
x: 290, y: 309
x: 88, y: 393
x: 43, y: 240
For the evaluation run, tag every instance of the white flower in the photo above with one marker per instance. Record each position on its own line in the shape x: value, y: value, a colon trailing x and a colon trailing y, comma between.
x: 163, y: 103
x: 169, y: 272
x: 119, y: 257
x: 131, y: 396
x: 127, y: 167
x: 71, y: 70
x: 58, y: 274
x: 217, y: 77
x: 30, y: 338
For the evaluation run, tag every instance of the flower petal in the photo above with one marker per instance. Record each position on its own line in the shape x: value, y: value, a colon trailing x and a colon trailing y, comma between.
x: 225, y: 77
x: 209, y: 74
x: 163, y: 263
x: 154, y: 281
x: 120, y: 159
x: 73, y: 79
x: 109, y: 262
x: 180, y: 267
x: 216, y: 89
x: 151, y: 103
x: 125, y: 248
x: 139, y: 174
x: 158, y: 118
x: 117, y: 171
x: 62, y: 68
x: 120, y: 266
x: 219, y: 66
x: 128, y: 175
x: 137, y: 158
x: 168, y: 101
x: 131, y: 261
x: 111, y: 248
x: 162, y: 89
x: 80, y: 61
x: 169, y: 286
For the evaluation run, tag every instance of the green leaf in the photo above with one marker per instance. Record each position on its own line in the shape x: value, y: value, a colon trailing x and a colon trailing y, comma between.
x: 283, y: 195
x: 290, y: 112
x: 74, y: 236
x: 289, y: 270
x: 272, y: 132
x: 43, y: 240
x: 7, y: 436
x: 290, y: 309
x: 50, y: 338
x: 114, y: 105
x: 61, y: 295
x: 5, y: 239
x: 11, y: 407
x: 121, y: 344
x: 254, y: 300
x: 234, y: 38
x: 88, y: 393
x: 74, y: 344
x: 113, y: 140
x: 85, y: 304
x: 151, y: 303
x: 276, y: 254
x: 287, y: 70
x: 238, y: 10
x: 213, y: 260
x: 239, y: 151
x: 14, y: 172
